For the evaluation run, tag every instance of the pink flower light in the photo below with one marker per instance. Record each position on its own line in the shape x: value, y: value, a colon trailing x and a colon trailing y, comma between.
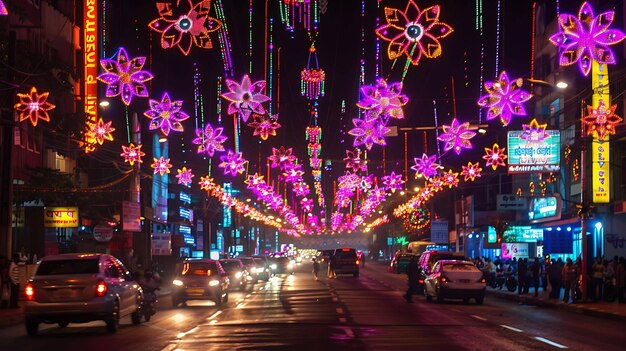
x: 471, y: 171
x: 393, y: 182
x: 456, y: 136
x: 209, y: 140
x: 354, y: 162
x: 495, y: 156
x: 246, y: 97
x: 504, y: 99
x: 233, y: 163
x: 166, y: 114
x: 264, y: 126
x: 387, y: 100
x: 184, y: 176
x: 161, y: 165
x: 369, y: 130
x: 132, y: 153
x: 425, y: 166
x: 124, y: 76
x: 601, y: 120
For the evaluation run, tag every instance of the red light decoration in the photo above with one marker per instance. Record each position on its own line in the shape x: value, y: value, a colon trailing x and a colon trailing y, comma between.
x: 471, y: 171
x: 495, y: 156
x: 100, y: 131
x: 161, y: 166
x: 132, y: 153
x: 601, y: 120
x: 34, y: 106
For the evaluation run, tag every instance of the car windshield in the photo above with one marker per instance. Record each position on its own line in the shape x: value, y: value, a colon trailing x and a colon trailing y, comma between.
x: 230, y: 265
x: 199, y: 268
x: 280, y: 260
x: 347, y: 255
x: 259, y: 262
x: 247, y: 261
x: 58, y: 267
x: 459, y: 267
x: 404, y: 258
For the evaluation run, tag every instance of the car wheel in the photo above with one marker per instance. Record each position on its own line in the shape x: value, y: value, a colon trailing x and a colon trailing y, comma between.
x: 479, y: 300
x: 32, y: 326
x: 113, y: 321
x: 219, y: 300
x: 63, y: 324
x: 147, y: 314
x: 135, y: 317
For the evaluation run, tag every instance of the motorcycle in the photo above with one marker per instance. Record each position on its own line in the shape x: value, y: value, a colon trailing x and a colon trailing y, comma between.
x: 148, y: 304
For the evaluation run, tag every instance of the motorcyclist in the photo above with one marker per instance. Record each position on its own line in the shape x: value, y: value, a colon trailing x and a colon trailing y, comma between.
x: 149, y: 284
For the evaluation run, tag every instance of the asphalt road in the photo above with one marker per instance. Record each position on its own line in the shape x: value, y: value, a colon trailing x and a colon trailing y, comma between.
x: 365, y: 313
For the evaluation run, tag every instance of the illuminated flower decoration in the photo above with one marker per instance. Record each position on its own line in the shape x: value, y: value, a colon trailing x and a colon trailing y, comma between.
x: 456, y: 136
x: 166, y: 114
x: 354, y: 162
x: 124, y: 76
x: 181, y: 25
x: 534, y: 133
x: 233, y: 163
x: 161, y: 166
x: 184, y: 176
x: 425, y: 166
x: 246, y: 97
x: 206, y: 183
x: 366, y: 182
x: 307, y: 204
x: 378, y: 194
x: 393, y: 182
x: 504, y: 99
x: 495, y: 156
x: 368, y: 131
x: 386, y: 99
x: 209, y: 140
x: 132, y: 153
x: 281, y: 157
x: 435, y: 184
x: 471, y: 171
x: 601, y: 120
x: 254, y: 181
x: 3, y: 9
x: 450, y: 178
x: 335, y: 220
x: 34, y: 106
x: 301, y: 189
x: 264, y: 126
x: 413, y: 32
x: 293, y: 174
x: 586, y: 38
x: 101, y: 131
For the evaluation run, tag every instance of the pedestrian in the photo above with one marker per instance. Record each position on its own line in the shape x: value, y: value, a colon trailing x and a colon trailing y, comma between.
x: 570, y: 275
x: 535, y: 270
x: 412, y: 271
x: 597, y: 282
x: 316, y: 268
x: 331, y: 267
x: 620, y: 279
x: 490, y: 272
x: 522, y: 269
x: 556, y: 280
x: 14, y: 275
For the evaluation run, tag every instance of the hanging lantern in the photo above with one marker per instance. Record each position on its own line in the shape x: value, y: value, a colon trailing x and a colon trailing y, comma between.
x: 312, y: 79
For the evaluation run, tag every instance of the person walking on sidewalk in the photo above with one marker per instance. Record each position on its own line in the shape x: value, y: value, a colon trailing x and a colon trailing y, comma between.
x: 535, y: 270
x: 412, y: 271
x: 620, y: 279
x: 14, y: 275
x: 522, y: 269
x: 556, y: 280
x: 597, y: 285
x: 570, y: 275
x: 316, y: 268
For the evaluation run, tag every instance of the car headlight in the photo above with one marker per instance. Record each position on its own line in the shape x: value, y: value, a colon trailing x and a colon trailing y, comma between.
x: 177, y: 282
x: 259, y: 270
x: 238, y: 275
x: 273, y: 266
x: 290, y: 266
x: 214, y: 282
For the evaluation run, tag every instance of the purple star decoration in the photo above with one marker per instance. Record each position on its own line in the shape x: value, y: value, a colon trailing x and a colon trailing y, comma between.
x: 426, y: 166
x: 586, y: 38
x: 233, y: 163
x: 166, y: 114
x: 504, y: 99
x: 125, y: 76
x: 393, y: 182
x: 184, y: 176
x: 209, y: 140
x: 246, y: 97
x: 369, y: 130
x: 385, y: 99
x: 456, y: 136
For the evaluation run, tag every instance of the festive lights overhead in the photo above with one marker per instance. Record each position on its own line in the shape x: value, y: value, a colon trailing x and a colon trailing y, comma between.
x: 425, y: 166
x: 586, y: 38
x: 3, y: 9
x: 451, y: 179
x: 166, y: 114
x: 393, y: 182
x: 161, y: 165
x: 124, y: 76
x: 534, y: 133
x: 456, y: 136
x: 209, y: 140
x: 504, y: 99
x: 181, y: 25
x: 34, y: 106
x: 385, y: 98
x: 413, y: 32
x: 100, y: 131
x: 368, y: 131
x: 233, y: 163
x: 184, y: 176
x: 264, y: 126
x: 471, y: 171
x: 246, y: 97
x: 354, y: 162
x: 495, y: 156
x: 281, y: 157
x: 601, y: 120
x: 132, y: 153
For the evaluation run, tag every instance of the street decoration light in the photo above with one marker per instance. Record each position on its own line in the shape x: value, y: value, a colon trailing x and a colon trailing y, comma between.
x: 369, y: 130
x: 450, y: 178
x: 354, y: 162
x: 393, y: 182
x: 456, y: 136
x: 166, y: 114
x: 132, y: 153
x: 425, y: 166
x: 181, y: 25
x: 264, y: 126
x: 3, y: 9
x: 184, y: 176
x: 534, y: 133
x: 504, y: 98
x: 124, y: 76
x: 34, y: 106
x: 495, y: 156
x: 99, y: 131
x: 471, y: 171
x: 209, y: 140
x: 601, y: 120
x: 161, y: 165
x: 281, y: 157
x: 385, y: 98
x: 233, y: 163
x: 246, y: 97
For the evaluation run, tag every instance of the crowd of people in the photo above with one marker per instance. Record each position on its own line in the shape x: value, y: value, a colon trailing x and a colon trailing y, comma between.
x: 606, y: 277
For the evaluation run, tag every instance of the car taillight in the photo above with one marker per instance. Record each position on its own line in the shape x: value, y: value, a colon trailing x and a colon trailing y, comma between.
x: 443, y: 279
x: 357, y: 262
x: 421, y: 281
x: 101, y: 288
x: 482, y: 280
x: 30, y: 292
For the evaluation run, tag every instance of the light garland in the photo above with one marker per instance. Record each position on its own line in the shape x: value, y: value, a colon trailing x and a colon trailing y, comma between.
x: 34, y: 106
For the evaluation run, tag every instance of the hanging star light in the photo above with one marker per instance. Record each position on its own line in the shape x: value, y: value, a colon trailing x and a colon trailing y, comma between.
x: 471, y: 171
x: 451, y: 179
x: 425, y: 166
x: 180, y: 26
x: 100, y: 131
x: 166, y: 114
x: 254, y: 181
x: 209, y: 140
x: 354, y: 162
x: 3, y: 9
x: 246, y: 97
x: 307, y: 204
x: 184, y: 176
x: 264, y: 125
x: 301, y: 189
x: 393, y: 182
x: 504, y: 99
x: 132, y: 153
x: 124, y: 76
x: 281, y: 157
x: 233, y: 163
x: 586, y: 38
x: 161, y: 166
x: 368, y: 131
x: 435, y: 184
x: 34, y: 106
x: 206, y: 183
x: 495, y: 156
x: 413, y: 32
x: 385, y: 98
x: 534, y: 133
x: 293, y: 174
x: 456, y: 136
x: 601, y: 120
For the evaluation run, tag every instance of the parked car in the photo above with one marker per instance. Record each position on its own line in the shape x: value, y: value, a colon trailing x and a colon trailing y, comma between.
x: 263, y: 267
x: 281, y: 265
x: 80, y: 288
x: 428, y: 259
x: 236, y: 271
x: 455, y: 279
x: 346, y: 261
x: 399, y: 262
x: 200, y: 279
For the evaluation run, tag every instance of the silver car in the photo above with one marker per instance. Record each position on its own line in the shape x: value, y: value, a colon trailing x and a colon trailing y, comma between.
x: 79, y: 288
x: 455, y: 279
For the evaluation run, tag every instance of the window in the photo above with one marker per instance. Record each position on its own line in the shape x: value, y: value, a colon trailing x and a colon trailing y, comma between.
x: 59, y: 267
x: 111, y: 269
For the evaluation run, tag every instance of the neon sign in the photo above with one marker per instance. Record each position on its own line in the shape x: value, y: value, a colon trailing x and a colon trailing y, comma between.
x: 90, y: 52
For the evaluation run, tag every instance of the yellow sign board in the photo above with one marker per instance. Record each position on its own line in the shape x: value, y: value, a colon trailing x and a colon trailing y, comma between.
x: 600, y: 149
x: 60, y: 217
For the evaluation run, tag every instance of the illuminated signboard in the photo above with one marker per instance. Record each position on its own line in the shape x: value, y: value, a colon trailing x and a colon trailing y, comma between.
x: 186, y: 232
x: 90, y: 51
x: 543, y: 209
x: 514, y: 250
x: 522, y: 234
x: 600, y: 150
x: 184, y: 213
x: 185, y: 198
x: 60, y: 217
x: 534, y: 157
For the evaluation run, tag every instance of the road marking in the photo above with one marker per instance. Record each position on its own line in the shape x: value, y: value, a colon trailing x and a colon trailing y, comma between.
x: 511, y: 328
x: 241, y: 305
x: 183, y: 334
x: 170, y: 347
x: 213, y: 322
x: 215, y: 314
x: 248, y: 296
x: 550, y: 342
x: 478, y: 317
x: 455, y: 310
x: 339, y: 310
x: 343, y: 320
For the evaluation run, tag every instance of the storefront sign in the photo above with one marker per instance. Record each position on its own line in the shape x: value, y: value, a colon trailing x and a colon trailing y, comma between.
x: 131, y: 213
x: 90, y: 51
x: 162, y: 244
x: 103, y: 233
x: 60, y: 217
x: 514, y: 250
x: 439, y: 231
x: 522, y: 234
x: 509, y: 202
x: 600, y: 149
x: 534, y: 157
x: 543, y: 209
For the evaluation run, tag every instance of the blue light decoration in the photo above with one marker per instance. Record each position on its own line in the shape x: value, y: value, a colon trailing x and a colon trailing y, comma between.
x: 187, y: 236
x: 184, y: 213
x: 184, y: 198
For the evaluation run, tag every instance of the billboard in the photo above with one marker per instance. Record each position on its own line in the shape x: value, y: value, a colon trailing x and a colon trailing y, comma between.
x: 514, y: 250
x: 60, y: 217
x: 522, y: 234
x: 531, y: 156
x: 543, y: 209
x: 600, y: 149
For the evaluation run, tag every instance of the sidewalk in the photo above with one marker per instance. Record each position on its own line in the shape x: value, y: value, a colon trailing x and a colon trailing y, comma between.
x: 601, y: 308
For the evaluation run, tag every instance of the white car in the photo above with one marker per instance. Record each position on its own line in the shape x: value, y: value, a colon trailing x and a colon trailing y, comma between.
x: 455, y: 279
